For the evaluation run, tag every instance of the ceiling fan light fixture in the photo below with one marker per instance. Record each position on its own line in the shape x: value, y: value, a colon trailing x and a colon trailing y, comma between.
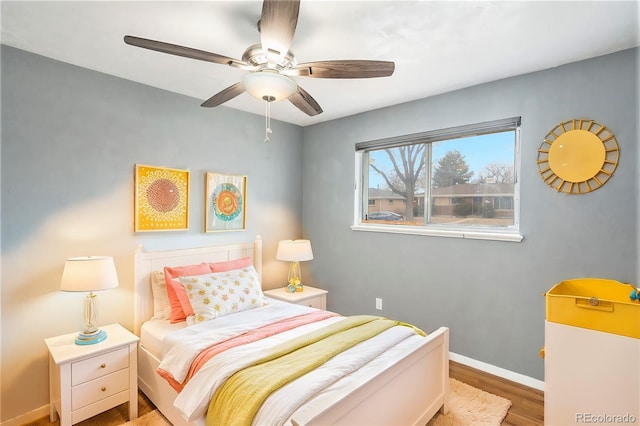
x: 269, y: 85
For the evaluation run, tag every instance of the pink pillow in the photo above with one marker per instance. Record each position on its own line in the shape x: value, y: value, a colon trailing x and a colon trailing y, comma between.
x: 176, y: 291
x: 181, y: 294
x: 231, y: 264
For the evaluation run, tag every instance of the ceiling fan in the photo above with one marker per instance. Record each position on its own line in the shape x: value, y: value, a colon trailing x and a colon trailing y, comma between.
x: 270, y: 63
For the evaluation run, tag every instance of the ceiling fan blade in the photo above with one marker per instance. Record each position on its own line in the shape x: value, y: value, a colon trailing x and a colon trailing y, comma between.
x: 224, y: 96
x: 304, y: 102
x: 344, y: 69
x: 187, y: 52
x: 278, y: 25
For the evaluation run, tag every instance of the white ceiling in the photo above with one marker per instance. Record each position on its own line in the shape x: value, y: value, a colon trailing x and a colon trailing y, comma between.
x: 437, y: 46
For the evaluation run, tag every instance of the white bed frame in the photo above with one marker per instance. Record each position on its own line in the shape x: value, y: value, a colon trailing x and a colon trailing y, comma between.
x: 408, y: 393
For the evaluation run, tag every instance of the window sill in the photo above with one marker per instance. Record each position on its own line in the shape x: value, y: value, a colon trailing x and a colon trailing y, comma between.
x: 471, y: 234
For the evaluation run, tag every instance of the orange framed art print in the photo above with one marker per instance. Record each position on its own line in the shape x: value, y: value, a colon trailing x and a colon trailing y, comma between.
x: 161, y: 200
x: 225, y: 200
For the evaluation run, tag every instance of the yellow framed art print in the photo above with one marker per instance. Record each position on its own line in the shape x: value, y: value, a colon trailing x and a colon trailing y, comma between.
x: 161, y: 200
x: 225, y: 201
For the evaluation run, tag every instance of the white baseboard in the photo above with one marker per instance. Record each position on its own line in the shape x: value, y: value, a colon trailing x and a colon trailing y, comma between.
x: 497, y: 371
x: 29, y: 417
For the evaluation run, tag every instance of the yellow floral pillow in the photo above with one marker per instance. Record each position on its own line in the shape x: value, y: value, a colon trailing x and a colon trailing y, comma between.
x: 221, y: 293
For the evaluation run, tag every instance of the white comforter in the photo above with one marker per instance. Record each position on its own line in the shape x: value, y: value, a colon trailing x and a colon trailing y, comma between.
x: 331, y: 380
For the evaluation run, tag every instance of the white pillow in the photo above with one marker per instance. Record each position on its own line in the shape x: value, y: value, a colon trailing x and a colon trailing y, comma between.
x: 161, y: 305
x: 221, y: 293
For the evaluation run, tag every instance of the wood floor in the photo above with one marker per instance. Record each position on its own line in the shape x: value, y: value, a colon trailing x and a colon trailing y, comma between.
x: 527, y: 407
x: 527, y: 403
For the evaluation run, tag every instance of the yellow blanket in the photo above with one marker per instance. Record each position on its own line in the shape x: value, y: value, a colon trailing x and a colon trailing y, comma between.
x: 238, y: 400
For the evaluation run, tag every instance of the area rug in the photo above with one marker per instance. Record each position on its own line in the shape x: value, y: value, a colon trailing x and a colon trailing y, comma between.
x: 468, y: 406
x: 471, y: 406
x: 153, y: 418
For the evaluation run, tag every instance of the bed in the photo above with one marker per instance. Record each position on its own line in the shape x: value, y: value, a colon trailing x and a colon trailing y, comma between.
x: 405, y: 388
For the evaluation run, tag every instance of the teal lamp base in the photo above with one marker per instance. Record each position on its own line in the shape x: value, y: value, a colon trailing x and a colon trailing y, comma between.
x: 91, y: 338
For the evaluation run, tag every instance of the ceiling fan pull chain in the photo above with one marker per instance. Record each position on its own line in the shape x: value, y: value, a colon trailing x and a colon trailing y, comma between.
x: 267, y: 120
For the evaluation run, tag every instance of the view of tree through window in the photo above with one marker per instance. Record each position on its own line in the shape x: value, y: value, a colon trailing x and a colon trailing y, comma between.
x: 457, y: 179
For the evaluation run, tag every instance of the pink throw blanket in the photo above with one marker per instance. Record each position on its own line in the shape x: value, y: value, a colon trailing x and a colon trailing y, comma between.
x: 241, y: 339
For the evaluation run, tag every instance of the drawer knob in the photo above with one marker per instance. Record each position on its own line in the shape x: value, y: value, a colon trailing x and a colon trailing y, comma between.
x: 103, y: 389
x: 103, y: 365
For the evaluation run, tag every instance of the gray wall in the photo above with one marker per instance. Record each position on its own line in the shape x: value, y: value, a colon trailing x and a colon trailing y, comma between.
x: 489, y: 293
x: 70, y: 139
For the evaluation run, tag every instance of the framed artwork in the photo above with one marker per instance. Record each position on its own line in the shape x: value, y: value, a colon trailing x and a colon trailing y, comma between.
x: 161, y: 199
x: 225, y: 201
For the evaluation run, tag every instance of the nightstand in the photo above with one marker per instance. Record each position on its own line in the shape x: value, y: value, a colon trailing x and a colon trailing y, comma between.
x: 310, y: 296
x: 85, y: 380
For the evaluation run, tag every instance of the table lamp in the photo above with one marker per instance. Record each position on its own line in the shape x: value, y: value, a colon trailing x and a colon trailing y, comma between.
x: 92, y: 273
x: 294, y: 251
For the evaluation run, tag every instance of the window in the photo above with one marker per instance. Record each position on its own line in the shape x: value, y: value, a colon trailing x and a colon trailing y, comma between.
x: 458, y: 182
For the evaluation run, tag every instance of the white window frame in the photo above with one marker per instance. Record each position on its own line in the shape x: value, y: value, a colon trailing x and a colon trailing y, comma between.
x: 497, y: 233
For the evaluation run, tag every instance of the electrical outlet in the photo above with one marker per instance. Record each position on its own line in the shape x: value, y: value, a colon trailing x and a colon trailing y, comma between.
x: 378, y: 303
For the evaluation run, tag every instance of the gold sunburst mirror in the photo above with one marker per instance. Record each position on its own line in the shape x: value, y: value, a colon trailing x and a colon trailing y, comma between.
x: 578, y: 156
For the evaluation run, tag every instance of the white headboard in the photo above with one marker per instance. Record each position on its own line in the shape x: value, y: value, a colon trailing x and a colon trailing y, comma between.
x: 147, y: 262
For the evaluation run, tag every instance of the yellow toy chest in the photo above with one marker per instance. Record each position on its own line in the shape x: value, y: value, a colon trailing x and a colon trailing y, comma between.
x: 595, y: 303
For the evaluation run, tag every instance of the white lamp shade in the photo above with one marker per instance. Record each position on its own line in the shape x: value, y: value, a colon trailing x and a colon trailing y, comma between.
x: 294, y: 250
x: 269, y: 85
x: 90, y: 273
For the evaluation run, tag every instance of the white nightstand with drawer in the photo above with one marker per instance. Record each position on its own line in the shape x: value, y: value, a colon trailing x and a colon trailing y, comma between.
x: 85, y: 380
x: 310, y: 296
